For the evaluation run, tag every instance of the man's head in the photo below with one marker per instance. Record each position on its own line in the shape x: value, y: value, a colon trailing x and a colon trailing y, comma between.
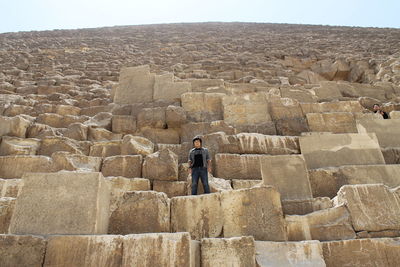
x: 197, y: 142
x: 377, y: 107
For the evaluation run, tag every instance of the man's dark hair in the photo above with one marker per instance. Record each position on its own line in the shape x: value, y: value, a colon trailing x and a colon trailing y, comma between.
x: 197, y: 138
x: 376, y: 105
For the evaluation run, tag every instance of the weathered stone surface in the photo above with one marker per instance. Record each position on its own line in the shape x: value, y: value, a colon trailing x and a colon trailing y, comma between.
x: 364, y: 205
x: 76, y: 131
x: 105, y: 149
x: 50, y: 145
x: 135, y: 85
x: 201, y: 216
x: 331, y: 150
x: 337, y: 122
x: 175, y: 116
x: 190, y: 130
x: 59, y: 121
x: 234, y: 166
x: 235, y: 251
x: 75, y: 162
x: 328, y: 224
x: 125, y: 124
x: 127, y: 166
x: 81, y: 250
x: 22, y: 250
x: 166, y: 88
x: 16, y: 166
x: 203, y: 107
x: 173, y: 249
x: 151, y: 212
x: 100, y: 134
x: 100, y: 120
x: 18, y: 146
x: 161, y: 165
x: 287, y: 254
x: 6, y: 210
x: 391, y: 155
x: 362, y: 252
x: 291, y: 126
x: 387, y: 131
x: 327, y: 181
x: 243, y: 184
x: 305, y: 206
x: 152, y: 117
x: 285, y: 108
x: 62, y: 203
x: 10, y: 187
x: 13, y: 126
x: 171, y: 188
x: 161, y: 136
x: 288, y: 174
x: 255, y: 211
x: 132, y: 145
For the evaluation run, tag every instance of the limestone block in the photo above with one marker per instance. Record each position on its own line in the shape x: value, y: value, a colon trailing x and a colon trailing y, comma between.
x: 203, y: 107
x: 391, y: 155
x: 152, y: 117
x: 62, y: 203
x: 173, y: 249
x: 175, y: 116
x: 288, y: 174
x: 305, y: 206
x: 161, y: 136
x: 14, y: 126
x: 59, y: 121
x: 10, y: 187
x: 22, y: 250
x: 288, y: 254
x: 327, y: 91
x: 75, y: 162
x: 18, y: 146
x: 135, y: 85
x: 201, y: 216
x: 37, y: 130
x: 105, y: 148
x: 234, y: 166
x: 67, y: 110
x: 127, y: 166
x: 395, y: 114
x: 301, y: 95
x: 166, y: 88
x: 362, y: 252
x: 76, y: 131
x: 100, y: 134
x: 327, y: 224
x: 337, y: 122
x: 235, y: 251
x: 331, y: 150
x: 132, y: 145
x: 100, y: 120
x: 6, y: 209
x: 54, y: 144
x: 387, y: 131
x: 171, y: 188
x: 285, y: 108
x: 151, y: 213
x: 125, y: 124
x: 256, y: 211
x: 200, y: 85
x: 16, y: 166
x: 81, y: 250
x: 181, y: 150
x: 364, y: 203
x: 243, y: 184
x: 341, y: 106
x: 119, y: 185
x: 190, y: 130
x: 291, y: 126
x: 161, y: 165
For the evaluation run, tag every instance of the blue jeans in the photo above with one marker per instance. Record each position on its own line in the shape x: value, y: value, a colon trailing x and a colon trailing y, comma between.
x: 200, y: 172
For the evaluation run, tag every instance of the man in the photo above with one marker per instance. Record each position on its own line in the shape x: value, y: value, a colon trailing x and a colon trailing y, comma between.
x: 377, y: 109
x: 199, y: 164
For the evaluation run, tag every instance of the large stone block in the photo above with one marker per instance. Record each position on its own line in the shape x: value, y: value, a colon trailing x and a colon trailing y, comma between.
x: 9, y: 187
x: 14, y: 126
x: 6, y: 210
x: 190, y: 130
x: 161, y: 136
x: 18, y: 146
x: 54, y: 144
x: 152, y: 117
x: 166, y: 88
x: 161, y: 165
x: 151, y: 212
x: 291, y: 126
x: 288, y: 174
x: 106, y: 149
x: 331, y: 150
x: 289, y: 254
x: 285, y: 108
x: 16, y: 166
x: 133, y: 145
x: 326, y: 224
x: 203, y: 107
x: 20, y: 250
x: 235, y: 252
x: 172, y: 249
x: 72, y: 162
x: 336, y: 122
x: 362, y: 252
x: 124, y: 124
x: 127, y: 166
x: 387, y: 131
x: 81, y: 250
x: 175, y: 116
x: 135, y: 85
x: 256, y: 211
x: 364, y: 203
x: 62, y: 203
x: 201, y: 216
x: 234, y: 166
x: 305, y: 206
x: 171, y: 188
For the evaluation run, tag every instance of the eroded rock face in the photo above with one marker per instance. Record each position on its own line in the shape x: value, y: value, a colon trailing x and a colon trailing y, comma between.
x: 161, y: 165
x: 20, y: 250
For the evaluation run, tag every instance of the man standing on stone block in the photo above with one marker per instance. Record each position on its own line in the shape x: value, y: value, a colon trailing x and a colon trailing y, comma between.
x: 199, y: 164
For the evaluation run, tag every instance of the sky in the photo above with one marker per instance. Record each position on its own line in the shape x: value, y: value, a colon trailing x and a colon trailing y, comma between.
x: 29, y: 15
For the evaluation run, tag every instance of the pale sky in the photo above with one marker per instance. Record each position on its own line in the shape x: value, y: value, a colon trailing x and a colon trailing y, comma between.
x: 28, y: 15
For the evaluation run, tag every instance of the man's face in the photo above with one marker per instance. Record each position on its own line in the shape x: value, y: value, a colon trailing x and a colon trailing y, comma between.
x: 376, y: 107
x: 197, y: 144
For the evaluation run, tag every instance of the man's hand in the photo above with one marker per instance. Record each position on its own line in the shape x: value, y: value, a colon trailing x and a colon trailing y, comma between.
x: 209, y: 169
x: 190, y: 170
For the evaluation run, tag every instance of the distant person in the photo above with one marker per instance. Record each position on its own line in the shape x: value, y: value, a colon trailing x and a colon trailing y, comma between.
x: 199, y: 164
x: 377, y: 109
